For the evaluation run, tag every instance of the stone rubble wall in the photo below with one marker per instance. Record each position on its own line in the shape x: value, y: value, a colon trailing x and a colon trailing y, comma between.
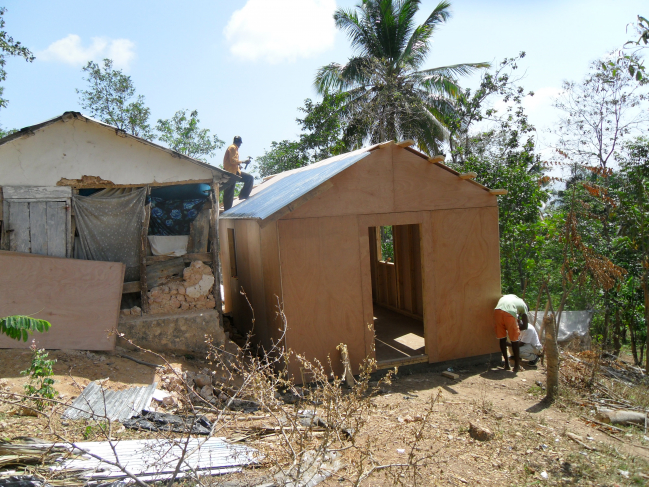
x: 194, y: 292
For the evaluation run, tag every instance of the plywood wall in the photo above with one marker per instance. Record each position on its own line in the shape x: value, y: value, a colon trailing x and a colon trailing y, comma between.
x: 80, y: 298
x: 323, y: 292
x: 394, y: 180
x: 462, y: 282
x: 258, y: 274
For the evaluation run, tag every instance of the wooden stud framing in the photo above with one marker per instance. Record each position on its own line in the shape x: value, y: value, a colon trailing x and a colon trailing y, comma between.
x: 498, y: 192
x: 143, y: 248
x: 436, y: 159
x: 468, y: 175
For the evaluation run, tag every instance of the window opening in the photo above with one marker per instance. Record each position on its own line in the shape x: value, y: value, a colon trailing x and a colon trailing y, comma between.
x: 385, y: 249
x: 233, y: 254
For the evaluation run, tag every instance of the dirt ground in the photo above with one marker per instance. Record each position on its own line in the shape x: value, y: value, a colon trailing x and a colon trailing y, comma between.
x: 530, y: 445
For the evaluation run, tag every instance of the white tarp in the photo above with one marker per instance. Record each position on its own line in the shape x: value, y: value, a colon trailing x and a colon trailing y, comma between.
x: 574, y: 324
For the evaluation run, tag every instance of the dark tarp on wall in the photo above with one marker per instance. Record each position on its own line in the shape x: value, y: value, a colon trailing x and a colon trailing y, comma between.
x: 110, y: 225
x: 172, y: 217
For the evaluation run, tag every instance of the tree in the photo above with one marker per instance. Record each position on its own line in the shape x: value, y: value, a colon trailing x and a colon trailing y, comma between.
x: 182, y: 134
x: 636, y: 66
x: 321, y: 138
x: 111, y: 98
x: 9, y: 47
x: 282, y: 156
x: 632, y: 194
x: 599, y: 113
x: 388, y: 96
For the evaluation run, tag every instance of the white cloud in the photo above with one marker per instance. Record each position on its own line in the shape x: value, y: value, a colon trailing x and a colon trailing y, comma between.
x: 281, y: 30
x: 70, y: 50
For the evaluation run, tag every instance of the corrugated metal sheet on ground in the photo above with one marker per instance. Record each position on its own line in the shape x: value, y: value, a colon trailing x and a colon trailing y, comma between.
x: 97, y: 402
x: 286, y: 187
x: 157, y: 459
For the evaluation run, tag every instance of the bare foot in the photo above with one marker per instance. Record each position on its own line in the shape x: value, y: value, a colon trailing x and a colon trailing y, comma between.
x: 516, y: 369
x: 506, y: 366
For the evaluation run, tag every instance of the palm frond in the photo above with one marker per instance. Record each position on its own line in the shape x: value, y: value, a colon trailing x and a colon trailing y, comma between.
x: 454, y: 70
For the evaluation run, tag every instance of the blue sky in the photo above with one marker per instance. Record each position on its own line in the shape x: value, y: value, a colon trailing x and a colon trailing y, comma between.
x: 247, y: 65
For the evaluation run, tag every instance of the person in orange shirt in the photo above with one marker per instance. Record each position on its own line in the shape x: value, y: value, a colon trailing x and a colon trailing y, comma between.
x: 231, y: 163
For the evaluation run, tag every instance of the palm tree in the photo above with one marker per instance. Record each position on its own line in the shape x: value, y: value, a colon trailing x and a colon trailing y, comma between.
x: 388, y: 97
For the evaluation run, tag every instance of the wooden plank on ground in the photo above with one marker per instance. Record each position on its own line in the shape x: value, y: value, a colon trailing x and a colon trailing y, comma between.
x: 57, y: 236
x: 161, y: 271
x: 38, y: 227
x: 80, y: 298
x: 19, y: 240
x: 37, y: 192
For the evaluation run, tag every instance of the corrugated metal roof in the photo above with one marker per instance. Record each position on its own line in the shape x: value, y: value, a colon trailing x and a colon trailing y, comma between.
x: 157, y: 459
x: 97, y: 402
x: 286, y: 187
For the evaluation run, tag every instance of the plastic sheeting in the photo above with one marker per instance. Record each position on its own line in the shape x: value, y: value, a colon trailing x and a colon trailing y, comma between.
x: 574, y: 324
x: 110, y: 224
x: 169, y: 245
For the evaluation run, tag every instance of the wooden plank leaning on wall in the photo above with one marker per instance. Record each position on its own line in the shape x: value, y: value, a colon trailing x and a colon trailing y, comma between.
x: 144, y: 241
x: 214, y: 248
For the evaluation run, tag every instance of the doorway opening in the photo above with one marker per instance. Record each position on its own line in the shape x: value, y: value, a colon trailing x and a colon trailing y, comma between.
x: 397, y: 297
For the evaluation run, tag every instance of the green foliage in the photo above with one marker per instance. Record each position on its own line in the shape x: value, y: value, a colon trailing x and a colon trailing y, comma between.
x: 282, y: 156
x: 41, y: 385
x: 9, y: 47
x: 111, y: 98
x: 598, y: 113
x: 321, y: 137
x: 387, y: 244
x: 388, y: 96
x: 19, y: 327
x: 182, y: 134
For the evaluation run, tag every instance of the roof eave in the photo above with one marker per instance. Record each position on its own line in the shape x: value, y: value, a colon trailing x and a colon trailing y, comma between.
x: 224, y: 176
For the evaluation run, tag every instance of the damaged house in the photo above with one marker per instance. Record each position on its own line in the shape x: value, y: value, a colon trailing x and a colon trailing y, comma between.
x: 94, y: 221
x: 310, y: 240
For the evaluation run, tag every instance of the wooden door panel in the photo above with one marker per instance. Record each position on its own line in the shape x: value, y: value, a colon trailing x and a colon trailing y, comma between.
x: 38, y: 227
x: 19, y: 239
x: 56, y: 228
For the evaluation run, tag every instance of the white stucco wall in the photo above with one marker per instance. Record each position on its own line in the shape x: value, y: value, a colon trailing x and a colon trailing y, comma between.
x: 76, y: 148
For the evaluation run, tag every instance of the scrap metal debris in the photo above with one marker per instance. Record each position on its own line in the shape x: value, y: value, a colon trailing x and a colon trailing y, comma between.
x: 148, y: 460
x: 154, y: 421
x: 153, y: 460
x: 97, y: 402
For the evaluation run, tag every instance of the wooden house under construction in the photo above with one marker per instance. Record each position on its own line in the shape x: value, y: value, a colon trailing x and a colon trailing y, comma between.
x: 309, y: 240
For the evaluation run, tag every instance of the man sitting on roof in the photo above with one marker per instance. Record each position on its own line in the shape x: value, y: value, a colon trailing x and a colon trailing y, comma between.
x: 231, y: 164
x: 506, y: 313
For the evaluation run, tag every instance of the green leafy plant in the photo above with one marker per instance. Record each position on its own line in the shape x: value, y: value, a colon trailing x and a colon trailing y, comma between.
x: 41, y: 385
x: 19, y: 327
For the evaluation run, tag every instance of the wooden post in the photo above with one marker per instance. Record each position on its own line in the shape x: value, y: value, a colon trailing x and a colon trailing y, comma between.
x: 143, y: 248
x: 552, y: 356
x: 214, y: 248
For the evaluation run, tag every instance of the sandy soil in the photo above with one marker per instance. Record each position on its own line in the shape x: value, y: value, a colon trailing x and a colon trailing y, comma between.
x: 529, y: 443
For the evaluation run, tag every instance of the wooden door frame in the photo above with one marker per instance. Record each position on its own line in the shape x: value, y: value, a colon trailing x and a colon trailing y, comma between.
x: 378, y: 220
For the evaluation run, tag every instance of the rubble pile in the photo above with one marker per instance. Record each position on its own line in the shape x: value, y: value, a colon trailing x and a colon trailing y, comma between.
x: 213, y: 385
x: 192, y: 293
